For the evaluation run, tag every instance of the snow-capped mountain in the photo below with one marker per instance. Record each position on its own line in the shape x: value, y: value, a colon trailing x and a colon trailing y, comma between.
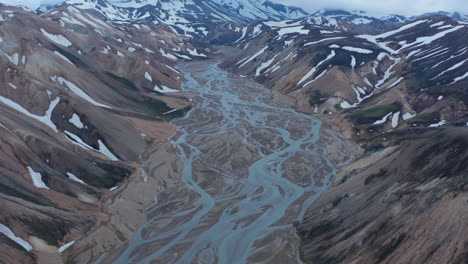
x: 416, y: 65
x: 189, y: 17
x: 454, y: 15
x: 365, y: 22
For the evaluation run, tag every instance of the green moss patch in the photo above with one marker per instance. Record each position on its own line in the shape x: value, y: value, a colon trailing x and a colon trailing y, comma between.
x: 316, y: 98
x: 427, y: 118
x: 373, y: 114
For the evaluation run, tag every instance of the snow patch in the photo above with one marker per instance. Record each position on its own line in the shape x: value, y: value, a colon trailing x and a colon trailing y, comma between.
x: 167, y: 55
x: 9, y: 233
x: 383, y: 120
x: 106, y: 152
x: 64, y: 247
x: 395, y: 118
x: 292, y: 30
x: 164, y: 89
x: 63, y: 57
x: 75, y: 120
x: 313, y: 70
x: 441, y: 123
x: 407, y: 116
x: 12, y: 85
x: 265, y: 65
x: 45, y: 119
x: 254, y: 56
x: 37, y: 179
x: 460, y: 78
x: 59, y: 39
x: 74, y: 178
x: 358, y: 50
x: 353, y: 62
x: 148, y: 77
x: 75, y: 89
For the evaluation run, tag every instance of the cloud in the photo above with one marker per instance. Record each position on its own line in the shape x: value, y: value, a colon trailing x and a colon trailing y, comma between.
x: 32, y: 4
x: 403, y: 7
x: 378, y: 7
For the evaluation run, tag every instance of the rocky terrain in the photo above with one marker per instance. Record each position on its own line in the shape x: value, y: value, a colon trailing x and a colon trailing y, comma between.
x: 81, y: 101
x: 400, y: 203
x: 401, y: 95
x: 89, y: 171
x: 367, y: 84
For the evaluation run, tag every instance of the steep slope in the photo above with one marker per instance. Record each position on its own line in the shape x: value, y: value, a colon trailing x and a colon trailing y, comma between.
x: 81, y: 101
x: 405, y: 203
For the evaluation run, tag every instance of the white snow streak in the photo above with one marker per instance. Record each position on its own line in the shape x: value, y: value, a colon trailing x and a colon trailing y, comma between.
x: 9, y: 233
x: 37, y: 179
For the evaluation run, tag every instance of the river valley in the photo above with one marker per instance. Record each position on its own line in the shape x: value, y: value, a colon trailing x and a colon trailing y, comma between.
x: 251, y: 167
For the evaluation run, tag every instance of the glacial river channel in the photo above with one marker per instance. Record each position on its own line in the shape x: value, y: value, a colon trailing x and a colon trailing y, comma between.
x: 251, y: 169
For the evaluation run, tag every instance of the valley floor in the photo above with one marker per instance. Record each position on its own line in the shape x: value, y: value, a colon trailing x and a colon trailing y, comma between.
x: 241, y: 170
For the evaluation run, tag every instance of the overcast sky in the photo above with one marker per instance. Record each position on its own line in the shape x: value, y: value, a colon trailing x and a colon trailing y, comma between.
x: 377, y: 7
x: 33, y: 4
x: 404, y: 7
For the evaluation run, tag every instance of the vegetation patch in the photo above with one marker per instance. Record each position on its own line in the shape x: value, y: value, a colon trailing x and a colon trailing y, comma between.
x: 418, y: 80
x: 427, y: 118
x: 373, y: 147
x: 126, y: 82
x: 338, y: 107
x: 176, y: 114
x: 155, y: 106
x: 369, y: 116
x: 106, y: 176
x: 316, y: 98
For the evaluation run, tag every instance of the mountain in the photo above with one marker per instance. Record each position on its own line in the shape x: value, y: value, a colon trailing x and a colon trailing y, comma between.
x: 454, y: 15
x: 81, y: 100
x: 400, y: 203
x: 359, y: 22
x: 402, y: 95
x: 368, y: 23
x: 189, y: 17
x: 416, y: 70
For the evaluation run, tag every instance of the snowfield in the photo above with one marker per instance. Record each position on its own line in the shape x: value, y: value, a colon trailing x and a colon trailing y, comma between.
x: 165, y: 89
x: 37, y: 179
x: 7, y: 232
x: 75, y: 89
x: 358, y: 50
x: 59, y: 39
x: 45, y: 119
x: 75, y: 120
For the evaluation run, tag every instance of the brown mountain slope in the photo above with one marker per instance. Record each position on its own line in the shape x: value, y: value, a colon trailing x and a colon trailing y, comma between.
x: 81, y: 101
x: 404, y: 200
x: 405, y: 203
